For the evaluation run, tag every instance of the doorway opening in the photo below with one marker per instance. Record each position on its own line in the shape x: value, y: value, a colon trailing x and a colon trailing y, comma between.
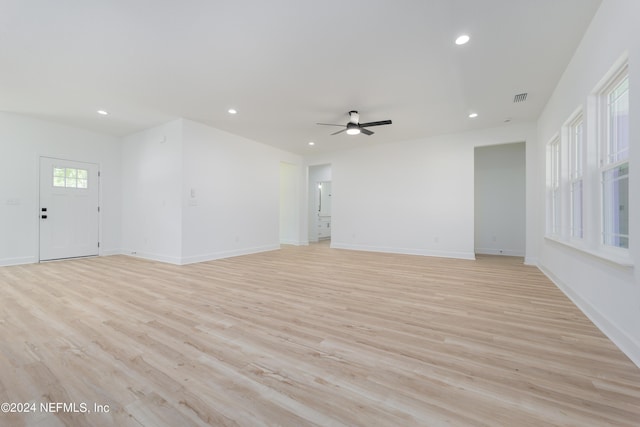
x: 500, y: 185
x: 320, y: 203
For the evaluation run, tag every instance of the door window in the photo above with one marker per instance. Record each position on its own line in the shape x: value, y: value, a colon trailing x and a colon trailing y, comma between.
x: 70, y: 178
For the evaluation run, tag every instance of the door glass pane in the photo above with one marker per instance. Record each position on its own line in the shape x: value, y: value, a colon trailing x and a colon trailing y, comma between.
x: 58, y: 177
x: 71, y: 178
x: 82, y: 178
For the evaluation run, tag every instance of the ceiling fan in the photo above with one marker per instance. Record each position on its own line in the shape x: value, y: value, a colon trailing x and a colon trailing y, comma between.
x: 354, y: 127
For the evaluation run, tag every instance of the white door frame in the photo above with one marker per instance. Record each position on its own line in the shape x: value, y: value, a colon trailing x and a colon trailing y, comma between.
x: 96, y: 167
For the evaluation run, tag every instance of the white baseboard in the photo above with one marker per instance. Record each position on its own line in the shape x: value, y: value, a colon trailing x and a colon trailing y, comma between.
x: 294, y: 242
x: 405, y: 251
x: 624, y: 342
x: 228, y: 254
x: 504, y: 252
x: 5, y: 262
x: 110, y: 252
x: 531, y: 261
x: 151, y: 256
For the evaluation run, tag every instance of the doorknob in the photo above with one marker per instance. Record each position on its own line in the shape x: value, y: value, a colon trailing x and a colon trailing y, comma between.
x: 43, y: 216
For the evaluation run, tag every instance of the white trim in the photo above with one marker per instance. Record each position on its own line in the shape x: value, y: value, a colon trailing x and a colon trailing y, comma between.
x: 620, y: 259
x: 98, y: 165
x: 227, y: 254
x: 6, y: 262
x: 152, y: 256
x: 502, y: 252
x: 110, y: 252
x: 405, y: 251
x: 628, y: 345
x: 553, y: 187
x: 619, y: 67
x: 533, y: 261
x: 294, y: 242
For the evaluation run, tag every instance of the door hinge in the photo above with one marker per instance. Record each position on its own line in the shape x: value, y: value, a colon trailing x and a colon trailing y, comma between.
x: 98, y: 244
x: 98, y: 173
x: 98, y: 208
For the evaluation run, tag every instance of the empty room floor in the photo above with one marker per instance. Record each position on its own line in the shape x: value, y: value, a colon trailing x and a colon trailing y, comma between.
x: 304, y: 336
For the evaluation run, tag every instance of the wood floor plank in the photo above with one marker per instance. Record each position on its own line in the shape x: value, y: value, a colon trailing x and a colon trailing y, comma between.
x: 306, y: 336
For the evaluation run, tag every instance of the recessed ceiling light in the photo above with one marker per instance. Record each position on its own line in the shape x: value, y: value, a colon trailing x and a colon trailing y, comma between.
x: 312, y: 143
x: 232, y: 111
x: 473, y: 115
x: 102, y: 112
x: 463, y: 39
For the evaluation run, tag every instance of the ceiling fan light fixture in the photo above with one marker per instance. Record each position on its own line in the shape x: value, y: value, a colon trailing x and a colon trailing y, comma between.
x: 462, y: 39
x: 352, y: 129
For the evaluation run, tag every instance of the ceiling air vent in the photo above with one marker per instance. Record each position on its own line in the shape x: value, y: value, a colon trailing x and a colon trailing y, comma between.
x: 521, y: 97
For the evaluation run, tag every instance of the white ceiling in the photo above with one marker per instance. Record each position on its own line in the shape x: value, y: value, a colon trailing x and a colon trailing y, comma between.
x: 286, y: 64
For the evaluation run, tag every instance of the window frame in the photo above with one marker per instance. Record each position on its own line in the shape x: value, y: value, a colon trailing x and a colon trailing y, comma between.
x: 69, y: 175
x: 608, y: 161
x: 554, y: 171
x: 576, y: 169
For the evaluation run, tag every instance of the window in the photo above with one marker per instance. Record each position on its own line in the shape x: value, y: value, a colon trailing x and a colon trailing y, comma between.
x: 614, y: 162
x: 576, y: 184
x: 553, y: 187
x: 587, y: 173
x: 70, y: 178
x: 615, y: 203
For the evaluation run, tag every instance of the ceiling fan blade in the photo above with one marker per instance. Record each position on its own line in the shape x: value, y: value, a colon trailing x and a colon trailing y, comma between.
x: 329, y: 124
x: 380, y: 123
x: 340, y: 131
x: 366, y: 131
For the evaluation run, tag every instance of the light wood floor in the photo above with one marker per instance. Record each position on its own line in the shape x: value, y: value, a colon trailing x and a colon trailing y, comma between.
x: 306, y: 336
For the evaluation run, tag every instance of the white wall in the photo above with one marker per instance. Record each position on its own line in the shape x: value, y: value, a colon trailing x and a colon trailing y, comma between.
x: 291, y: 183
x: 146, y: 182
x: 236, y: 209
x: 500, y: 200
x: 414, y: 197
x: 317, y: 173
x: 22, y: 141
x: 194, y: 193
x: 151, y: 193
x: 608, y: 293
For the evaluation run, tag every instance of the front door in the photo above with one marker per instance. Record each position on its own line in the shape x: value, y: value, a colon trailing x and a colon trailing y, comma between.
x: 69, y: 213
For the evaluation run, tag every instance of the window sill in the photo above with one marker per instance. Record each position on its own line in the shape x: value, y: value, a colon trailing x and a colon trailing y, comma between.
x: 620, y: 260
